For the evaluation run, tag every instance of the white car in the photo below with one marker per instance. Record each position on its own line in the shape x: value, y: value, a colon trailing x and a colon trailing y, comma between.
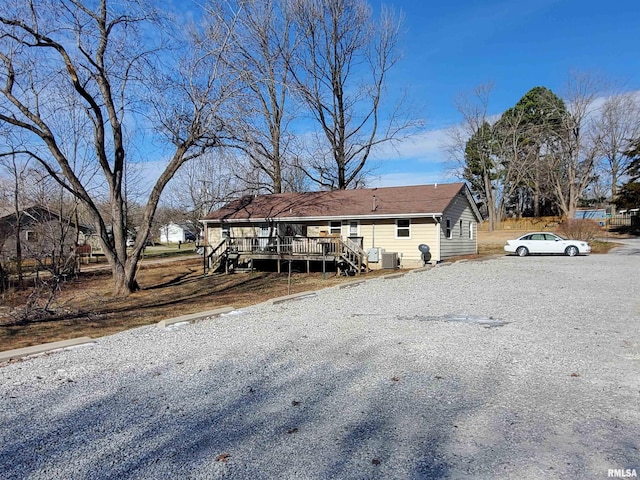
x: 544, y: 242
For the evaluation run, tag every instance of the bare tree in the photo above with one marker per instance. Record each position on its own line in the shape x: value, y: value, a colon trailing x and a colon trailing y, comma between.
x: 262, y: 46
x: 340, y: 68
x: 488, y: 152
x: 615, y: 126
x: 202, y: 185
x: 573, y: 156
x: 16, y: 171
x: 61, y: 55
x: 472, y: 146
x: 60, y: 229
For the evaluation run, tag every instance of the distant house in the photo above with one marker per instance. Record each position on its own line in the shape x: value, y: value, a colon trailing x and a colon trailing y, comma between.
x: 42, y: 233
x: 354, y: 229
x: 177, y: 232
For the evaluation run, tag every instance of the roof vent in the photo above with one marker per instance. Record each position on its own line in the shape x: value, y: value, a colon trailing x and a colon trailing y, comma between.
x: 375, y: 205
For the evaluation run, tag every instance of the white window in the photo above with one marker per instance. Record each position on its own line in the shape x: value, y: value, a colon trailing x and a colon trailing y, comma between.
x: 31, y: 236
x: 470, y: 230
x: 225, y: 231
x: 448, y: 231
x: 403, y: 228
x: 353, y: 229
x: 335, y: 228
x: 265, y: 230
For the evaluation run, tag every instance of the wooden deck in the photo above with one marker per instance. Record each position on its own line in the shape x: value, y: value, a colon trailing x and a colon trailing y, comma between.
x: 234, y: 251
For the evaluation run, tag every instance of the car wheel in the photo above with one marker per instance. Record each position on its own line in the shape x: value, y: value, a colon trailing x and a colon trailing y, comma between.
x: 522, y: 251
x: 571, y: 251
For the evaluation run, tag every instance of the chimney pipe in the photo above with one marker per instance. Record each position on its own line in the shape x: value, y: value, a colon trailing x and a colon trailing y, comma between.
x: 375, y: 206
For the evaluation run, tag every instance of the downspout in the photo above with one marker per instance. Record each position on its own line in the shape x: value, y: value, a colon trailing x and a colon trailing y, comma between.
x: 373, y: 234
x: 438, y: 221
x: 374, y: 207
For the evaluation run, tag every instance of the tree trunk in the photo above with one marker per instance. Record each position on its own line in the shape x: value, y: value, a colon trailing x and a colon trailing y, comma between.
x: 19, y: 253
x: 124, y: 279
x: 277, y: 171
x: 614, y: 190
x: 18, y: 231
x: 491, y: 207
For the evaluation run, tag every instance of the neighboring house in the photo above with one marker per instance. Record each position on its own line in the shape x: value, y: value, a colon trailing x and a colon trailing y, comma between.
x: 177, y: 232
x: 355, y: 229
x: 42, y: 233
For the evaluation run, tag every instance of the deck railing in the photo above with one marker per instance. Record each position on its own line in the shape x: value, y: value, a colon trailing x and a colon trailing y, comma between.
x: 619, y: 221
x: 286, y: 245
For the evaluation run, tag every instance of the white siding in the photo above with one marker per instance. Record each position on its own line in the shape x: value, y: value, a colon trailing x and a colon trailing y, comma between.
x: 172, y: 233
x: 382, y: 234
x: 375, y: 234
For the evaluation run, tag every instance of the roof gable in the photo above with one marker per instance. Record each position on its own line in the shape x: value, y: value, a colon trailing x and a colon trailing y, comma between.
x: 370, y: 202
x: 34, y: 214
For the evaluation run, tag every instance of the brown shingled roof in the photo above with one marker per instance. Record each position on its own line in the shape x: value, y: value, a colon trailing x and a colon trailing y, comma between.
x: 379, y: 202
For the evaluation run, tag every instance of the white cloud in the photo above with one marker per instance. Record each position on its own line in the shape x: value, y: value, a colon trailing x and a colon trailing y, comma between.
x: 426, y: 147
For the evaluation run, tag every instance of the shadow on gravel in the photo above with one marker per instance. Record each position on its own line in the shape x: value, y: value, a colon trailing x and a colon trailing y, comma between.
x: 279, y: 417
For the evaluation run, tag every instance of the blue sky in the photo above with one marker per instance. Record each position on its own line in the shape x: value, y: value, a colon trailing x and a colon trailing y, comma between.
x: 451, y: 47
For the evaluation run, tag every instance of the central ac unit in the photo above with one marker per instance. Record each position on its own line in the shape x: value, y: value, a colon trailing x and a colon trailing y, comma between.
x: 390, y: 260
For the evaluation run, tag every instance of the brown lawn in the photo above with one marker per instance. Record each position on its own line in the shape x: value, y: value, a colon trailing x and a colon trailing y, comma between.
x: 85, y: 307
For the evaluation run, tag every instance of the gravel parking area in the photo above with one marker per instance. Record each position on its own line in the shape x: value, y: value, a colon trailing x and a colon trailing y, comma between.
x: 508, y: 368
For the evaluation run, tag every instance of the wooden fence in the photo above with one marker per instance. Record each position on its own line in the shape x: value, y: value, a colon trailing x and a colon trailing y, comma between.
x: 528, y: 223
x: 550, y: 223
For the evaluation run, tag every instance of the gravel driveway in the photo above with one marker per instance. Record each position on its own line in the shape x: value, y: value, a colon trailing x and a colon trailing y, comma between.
x: 510, y: 368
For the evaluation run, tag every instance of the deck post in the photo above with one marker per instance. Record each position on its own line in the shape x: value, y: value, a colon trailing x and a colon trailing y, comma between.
x: 204, y: 260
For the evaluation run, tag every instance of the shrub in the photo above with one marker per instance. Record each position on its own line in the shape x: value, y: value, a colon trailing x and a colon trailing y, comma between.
x: 578, y: 229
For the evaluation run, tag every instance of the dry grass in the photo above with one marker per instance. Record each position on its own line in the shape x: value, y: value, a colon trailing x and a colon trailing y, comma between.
x: 85, y: 306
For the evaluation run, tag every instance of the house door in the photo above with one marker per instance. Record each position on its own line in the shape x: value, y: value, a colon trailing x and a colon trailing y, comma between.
x: 263, y: 235
x: 354, y: 233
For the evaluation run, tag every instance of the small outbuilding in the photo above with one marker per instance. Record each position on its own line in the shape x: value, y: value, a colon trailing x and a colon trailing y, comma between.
x: 177, y: 232
x: 355, y: 229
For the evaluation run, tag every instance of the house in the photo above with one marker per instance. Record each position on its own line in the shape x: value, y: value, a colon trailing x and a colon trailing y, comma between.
x: 350, y: 229
x: 43, y: 233
x: 177, y: 232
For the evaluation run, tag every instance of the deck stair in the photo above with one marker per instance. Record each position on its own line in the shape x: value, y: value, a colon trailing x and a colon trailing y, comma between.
x: 218, y: 256
x: 352, y: 254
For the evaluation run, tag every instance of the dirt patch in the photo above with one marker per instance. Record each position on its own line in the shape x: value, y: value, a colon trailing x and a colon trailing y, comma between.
x: 85, y: 307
